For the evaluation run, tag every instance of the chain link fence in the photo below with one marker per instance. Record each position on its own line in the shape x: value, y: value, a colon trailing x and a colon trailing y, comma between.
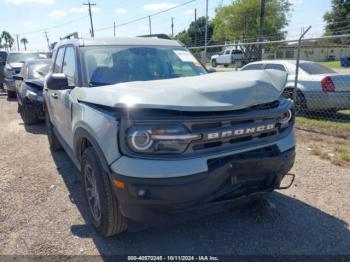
x: 322, y: 89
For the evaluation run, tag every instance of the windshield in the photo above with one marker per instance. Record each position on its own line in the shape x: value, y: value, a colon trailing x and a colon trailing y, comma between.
x: 315, y: 69
x: 111, y: 65
x: 23, y: 57
x: 38, y: 71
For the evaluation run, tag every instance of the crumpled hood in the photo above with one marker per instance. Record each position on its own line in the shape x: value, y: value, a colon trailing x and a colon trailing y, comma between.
x: 210, y: 92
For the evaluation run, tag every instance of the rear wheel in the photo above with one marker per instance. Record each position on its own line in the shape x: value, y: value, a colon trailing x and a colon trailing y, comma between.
x: 53, y: 140
x: 103, y: 206
x: 29, y: 117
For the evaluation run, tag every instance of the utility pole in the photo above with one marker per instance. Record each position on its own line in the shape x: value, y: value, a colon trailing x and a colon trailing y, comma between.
x: 261, y: 27
x: 114, y: 29
x: 195, y: 27
x: 17, y: 42
x: 47, y: 40
x: 92, y: 25
x: 206, y: 33
x: 172, y: 27
x: 150, y: 25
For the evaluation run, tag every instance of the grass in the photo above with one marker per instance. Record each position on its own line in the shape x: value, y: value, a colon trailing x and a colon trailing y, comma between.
x: 345, y: 112
x: 343, y: 153
x: 331, y: 64
x: 325, y: 127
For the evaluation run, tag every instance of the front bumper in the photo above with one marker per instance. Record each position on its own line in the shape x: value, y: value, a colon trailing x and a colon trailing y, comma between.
x: 157, y: 202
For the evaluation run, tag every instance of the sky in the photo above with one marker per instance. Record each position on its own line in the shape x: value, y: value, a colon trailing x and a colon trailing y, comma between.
x: 30, y: 18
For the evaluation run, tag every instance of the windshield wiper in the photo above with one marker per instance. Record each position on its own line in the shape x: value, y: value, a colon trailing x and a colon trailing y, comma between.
x: 96, y: 83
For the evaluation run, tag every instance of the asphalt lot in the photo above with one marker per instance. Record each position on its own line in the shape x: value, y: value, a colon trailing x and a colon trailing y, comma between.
x: 42, y: 211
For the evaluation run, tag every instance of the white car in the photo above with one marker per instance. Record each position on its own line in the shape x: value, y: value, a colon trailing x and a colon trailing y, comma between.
x: 227, y: 57
x: 319, y: 88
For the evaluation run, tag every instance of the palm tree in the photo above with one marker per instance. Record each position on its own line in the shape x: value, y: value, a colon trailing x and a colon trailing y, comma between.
x: 24, y: 41
x: 8, y: 39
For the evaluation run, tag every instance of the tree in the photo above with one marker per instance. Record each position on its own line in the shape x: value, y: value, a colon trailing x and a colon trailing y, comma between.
x: 338, y: 20
x: 241, y: 20
x: 8, y: 39
x: 196, y: 31
x: 195, y: 34
x: 24, y: 41
x: 184, y: 38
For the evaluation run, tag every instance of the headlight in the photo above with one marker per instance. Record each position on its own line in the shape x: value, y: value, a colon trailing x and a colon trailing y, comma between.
x: 9, y: 72
x: 286, y: 118
x: 160, y: 139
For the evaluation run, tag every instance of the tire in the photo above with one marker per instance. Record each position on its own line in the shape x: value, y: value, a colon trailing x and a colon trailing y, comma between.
x: 300, y: 103
x: 53, y: 140
x: 102, y: 203
x: 29, y: 117
x: 213, y: 63
x: 11, y: 94
x: 226, y: 66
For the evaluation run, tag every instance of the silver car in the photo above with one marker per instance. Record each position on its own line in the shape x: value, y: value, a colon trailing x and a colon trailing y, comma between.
x: 319, y: 88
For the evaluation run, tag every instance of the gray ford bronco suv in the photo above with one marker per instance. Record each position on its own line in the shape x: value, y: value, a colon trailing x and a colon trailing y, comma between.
x: 157, y: 138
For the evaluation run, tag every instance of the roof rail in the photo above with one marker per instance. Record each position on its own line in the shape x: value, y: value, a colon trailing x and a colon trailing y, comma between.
x: 160, y: 36
x: 72, y: 35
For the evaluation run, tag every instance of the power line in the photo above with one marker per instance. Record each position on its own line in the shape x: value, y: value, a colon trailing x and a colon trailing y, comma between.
x: 53, y: 27
x: 90, y: 14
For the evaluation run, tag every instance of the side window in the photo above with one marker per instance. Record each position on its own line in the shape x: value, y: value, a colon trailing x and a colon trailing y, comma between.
x: 69, y: 65
x: 58, y: 62
x: 227, y: 52
x: 276, y: 67
x: 252, y: 67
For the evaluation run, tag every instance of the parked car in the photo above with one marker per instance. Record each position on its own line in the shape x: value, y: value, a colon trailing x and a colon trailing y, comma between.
x: 319, y: 88
x: 227, y: 57
x: 158, y: 139
x: 29, y: 89
x: 3, y: 56
x: 14, y: 63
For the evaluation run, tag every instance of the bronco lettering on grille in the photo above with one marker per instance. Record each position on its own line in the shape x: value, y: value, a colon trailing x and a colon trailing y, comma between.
x: 239, y: 132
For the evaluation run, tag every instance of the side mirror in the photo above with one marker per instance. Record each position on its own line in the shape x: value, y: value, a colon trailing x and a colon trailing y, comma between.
x: 57, y: 82
x: 18, y: 77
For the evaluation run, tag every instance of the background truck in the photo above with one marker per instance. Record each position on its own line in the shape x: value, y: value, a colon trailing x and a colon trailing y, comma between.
x: 227, y: 57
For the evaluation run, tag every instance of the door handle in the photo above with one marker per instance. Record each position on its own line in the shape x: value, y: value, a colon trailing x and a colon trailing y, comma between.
x: 54, y: 95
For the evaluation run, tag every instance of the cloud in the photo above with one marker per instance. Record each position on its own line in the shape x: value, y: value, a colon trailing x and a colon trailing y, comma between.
x: 83, y: 9
x: 121, y: 11
x: 189, y: 12
x: 295, y: 2
x: 19, y: 2
x: 57, y: 13
x: 28, y: 23
x: 158, y: 6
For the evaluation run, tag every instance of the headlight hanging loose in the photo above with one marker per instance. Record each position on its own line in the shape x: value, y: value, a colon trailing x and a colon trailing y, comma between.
x: 160, y: 139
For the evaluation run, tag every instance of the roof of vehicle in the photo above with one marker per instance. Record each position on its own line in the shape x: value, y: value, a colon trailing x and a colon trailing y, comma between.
x: 38, y: 61
x: 293, y: 62
x: 119, y: 41
x: 28, y: 52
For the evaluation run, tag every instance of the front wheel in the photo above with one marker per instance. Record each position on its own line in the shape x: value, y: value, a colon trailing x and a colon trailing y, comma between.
x: 103, y: 206
x: 53, y: 140
x: 213, y: 63
x: 29, y: 117
x: 11, y: 94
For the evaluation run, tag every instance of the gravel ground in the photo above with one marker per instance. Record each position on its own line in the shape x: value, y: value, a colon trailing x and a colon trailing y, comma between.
x: 42, y: 210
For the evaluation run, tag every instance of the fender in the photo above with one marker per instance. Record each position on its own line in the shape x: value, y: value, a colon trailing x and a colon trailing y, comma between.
x: 79, y: 135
